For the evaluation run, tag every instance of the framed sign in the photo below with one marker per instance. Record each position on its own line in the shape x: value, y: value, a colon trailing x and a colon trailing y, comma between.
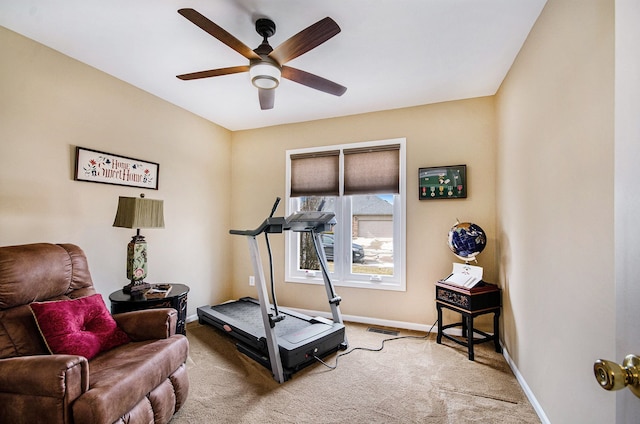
x: 442, y: 182
x: 107, y: 168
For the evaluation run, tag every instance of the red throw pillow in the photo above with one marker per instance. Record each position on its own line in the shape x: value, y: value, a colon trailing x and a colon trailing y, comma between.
x: 80, y: 326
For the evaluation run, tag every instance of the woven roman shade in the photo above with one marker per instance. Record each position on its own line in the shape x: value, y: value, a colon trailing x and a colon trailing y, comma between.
x: 315, y: 174
x: 371, y: 170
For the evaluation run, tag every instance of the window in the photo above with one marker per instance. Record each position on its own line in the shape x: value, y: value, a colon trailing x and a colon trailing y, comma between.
x: 364, y: 185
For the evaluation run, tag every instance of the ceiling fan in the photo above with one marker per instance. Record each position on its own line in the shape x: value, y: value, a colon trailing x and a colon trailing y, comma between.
x: 266, y: 64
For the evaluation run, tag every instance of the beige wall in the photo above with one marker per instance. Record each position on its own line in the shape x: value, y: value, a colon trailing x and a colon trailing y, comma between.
x: 555, y: 208
x: 461, y: 132
x: 50, y: 103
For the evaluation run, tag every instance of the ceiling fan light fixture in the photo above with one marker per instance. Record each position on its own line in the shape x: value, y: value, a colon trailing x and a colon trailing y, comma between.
x: 265, y: 75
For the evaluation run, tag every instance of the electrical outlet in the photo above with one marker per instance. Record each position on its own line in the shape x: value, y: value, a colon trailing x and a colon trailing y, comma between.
x: 252, y: 280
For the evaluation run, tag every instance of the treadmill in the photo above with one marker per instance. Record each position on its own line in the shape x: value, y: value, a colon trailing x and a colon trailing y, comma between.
x: 282, y: 340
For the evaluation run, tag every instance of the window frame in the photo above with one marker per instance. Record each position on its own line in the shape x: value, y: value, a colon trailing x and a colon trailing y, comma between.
x: 342, y: 275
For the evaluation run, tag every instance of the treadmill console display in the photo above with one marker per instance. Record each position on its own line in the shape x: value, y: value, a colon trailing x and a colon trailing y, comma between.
x: 311, y: 220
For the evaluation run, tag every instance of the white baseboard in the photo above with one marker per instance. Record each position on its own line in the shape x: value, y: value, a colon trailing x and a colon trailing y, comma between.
x: 525, y: 387
x: 370, y: 321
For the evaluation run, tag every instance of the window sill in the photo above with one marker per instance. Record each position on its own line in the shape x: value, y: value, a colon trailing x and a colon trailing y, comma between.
x: 373, y: 285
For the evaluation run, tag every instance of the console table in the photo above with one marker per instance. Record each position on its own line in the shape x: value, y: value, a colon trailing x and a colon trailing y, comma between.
x: 470, y: 303
x: 176, y: 299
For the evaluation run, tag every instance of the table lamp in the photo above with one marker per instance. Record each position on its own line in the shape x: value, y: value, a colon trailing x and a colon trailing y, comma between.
x: 134, y: 212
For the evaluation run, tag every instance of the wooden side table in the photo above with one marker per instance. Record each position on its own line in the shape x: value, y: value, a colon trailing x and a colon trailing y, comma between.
x: 470, y: 303
x: 176, y: 299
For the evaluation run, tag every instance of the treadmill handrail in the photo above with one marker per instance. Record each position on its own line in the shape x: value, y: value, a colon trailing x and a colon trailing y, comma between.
x: 269, y: 225
x: 305, y: 221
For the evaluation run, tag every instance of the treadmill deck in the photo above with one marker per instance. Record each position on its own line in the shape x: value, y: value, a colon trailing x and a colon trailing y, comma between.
x: 299, y: 337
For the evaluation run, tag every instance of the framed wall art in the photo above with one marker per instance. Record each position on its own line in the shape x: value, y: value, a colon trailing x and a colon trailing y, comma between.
x: 442, y: 182
x: 107, y: 168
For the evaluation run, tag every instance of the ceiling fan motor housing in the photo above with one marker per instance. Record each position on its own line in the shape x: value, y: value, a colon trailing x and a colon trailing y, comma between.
x: 265, y: 72
x: 265, y: 27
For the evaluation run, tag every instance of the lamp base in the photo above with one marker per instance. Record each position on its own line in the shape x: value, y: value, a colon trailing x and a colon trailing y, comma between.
x: 136, y: 287
x: 137, y: 258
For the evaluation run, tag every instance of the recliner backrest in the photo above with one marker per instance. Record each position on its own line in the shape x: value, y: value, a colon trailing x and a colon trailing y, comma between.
x: 36, y: 272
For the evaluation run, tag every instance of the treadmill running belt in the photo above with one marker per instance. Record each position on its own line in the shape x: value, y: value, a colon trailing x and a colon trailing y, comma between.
x: 246, y: 315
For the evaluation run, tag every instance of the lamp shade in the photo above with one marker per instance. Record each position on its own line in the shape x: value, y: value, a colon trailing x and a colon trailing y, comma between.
x: 138, y: 212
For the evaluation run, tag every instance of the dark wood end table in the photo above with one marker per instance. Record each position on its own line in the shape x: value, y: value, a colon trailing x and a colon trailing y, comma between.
x: 470, y: 303
x: 176, y: 299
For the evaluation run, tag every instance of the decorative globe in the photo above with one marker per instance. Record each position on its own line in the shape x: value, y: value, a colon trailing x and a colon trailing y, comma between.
x: 467, y: 240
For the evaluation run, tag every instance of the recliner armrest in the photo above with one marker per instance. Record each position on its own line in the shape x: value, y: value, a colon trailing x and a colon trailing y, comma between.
x: 56, y: 376
x: 148, y: 324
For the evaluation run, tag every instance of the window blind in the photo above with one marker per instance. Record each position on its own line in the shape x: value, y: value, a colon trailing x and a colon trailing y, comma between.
x: 371, y: 170
x: 315, y: 174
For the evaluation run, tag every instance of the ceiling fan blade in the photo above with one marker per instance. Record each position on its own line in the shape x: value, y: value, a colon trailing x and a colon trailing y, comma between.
x: 218, y: 32
x: 313, y: 81
x: 305, y: 40
x: 267, y: 98
x: 214, y: 73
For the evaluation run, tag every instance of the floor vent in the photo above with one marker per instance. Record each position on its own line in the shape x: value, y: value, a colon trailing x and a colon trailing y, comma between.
x: 383, y: 331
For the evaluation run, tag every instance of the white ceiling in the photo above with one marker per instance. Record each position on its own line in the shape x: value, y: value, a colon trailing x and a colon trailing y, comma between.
x: 390, y: 53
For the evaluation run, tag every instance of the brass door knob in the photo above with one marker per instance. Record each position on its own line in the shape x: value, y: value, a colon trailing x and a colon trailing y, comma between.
x: 612, y: 376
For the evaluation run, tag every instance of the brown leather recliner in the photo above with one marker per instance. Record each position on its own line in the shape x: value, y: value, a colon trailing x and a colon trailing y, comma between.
x: 144, y: 381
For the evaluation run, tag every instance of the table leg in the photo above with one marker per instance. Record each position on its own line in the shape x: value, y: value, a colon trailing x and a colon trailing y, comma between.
x: 496, y: 330
x: 464, y: 325
x: 469, y: 318
x: 439, y: 337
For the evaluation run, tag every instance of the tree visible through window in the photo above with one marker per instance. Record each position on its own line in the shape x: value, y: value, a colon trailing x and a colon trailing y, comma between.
x: 308, y: 257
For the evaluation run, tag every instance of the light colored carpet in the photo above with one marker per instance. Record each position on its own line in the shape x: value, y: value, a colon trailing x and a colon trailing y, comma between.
x: 408, y: 381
